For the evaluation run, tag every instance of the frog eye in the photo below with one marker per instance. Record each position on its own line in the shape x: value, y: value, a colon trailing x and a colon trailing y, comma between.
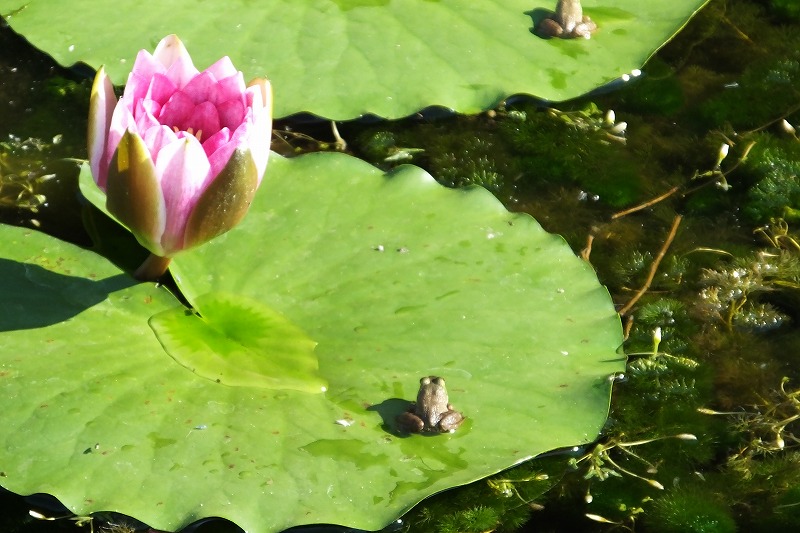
x: 438, y: 381
x: 425, y: 381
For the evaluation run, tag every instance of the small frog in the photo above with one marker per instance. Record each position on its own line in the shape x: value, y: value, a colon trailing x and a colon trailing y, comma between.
x: 567, y: 22
x: 431, y: 412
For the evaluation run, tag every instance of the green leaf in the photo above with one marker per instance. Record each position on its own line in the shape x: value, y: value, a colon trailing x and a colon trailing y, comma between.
x: 340, y: 59
x: 394, y: 276
x: 241, y: 343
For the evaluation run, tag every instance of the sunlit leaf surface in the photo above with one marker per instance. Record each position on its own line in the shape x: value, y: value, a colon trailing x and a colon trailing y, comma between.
x: 342, y: 58
x: 394, y: 277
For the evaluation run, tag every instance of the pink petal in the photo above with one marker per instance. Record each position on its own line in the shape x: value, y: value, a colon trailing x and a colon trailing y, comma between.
x: 259, y: 89
x: 212, y: 144
x: 144, y: 68
x: 170, y: 50
x: 231, y: 113
x: 230, y: 88
x: 201, y: 88
x: 146, y: 121
x: 261, y: 134
x: 182, y: 168
x: 222, y: 69
x: 158, y: 137
x: 139, y: 113
x: 177, y: 63
x: 151, y: 107
x: 101, y: 109
x: 182, y: 71
x: 177, y: 110
x: 205, y: 119
x: 160, y: 89
x: 121, y: 120
x: 219, y: 157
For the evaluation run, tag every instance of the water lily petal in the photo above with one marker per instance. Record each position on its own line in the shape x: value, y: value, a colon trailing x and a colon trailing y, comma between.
x: 222, y: 69
x: 225, y: 201
x: 148, y: 107
x: 259, y: 139
x: 183, y: 167
x: 230, y: 88
x: 205, y: 119
x: 222, y: 151
x: 254, y: 137
x: 144, y: 68
x: 133, y: 192
x: 145, y: 119
x: 181, y: 72
x: 177, y: 111
x: 171, y: 50
x: 101, y: 109
x: 158, y: 137
x: 231, y: 113
x: 201, y: 88
x: 213, y: 143
x: 160, y: 89
x: 263, y: 88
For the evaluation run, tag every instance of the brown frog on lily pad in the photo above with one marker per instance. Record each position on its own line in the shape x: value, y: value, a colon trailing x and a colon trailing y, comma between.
x: 432, y: 411
x: 568, y: 22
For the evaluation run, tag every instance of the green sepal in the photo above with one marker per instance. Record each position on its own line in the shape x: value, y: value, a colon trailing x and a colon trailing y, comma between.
x: 226, y: 200
x: 133, y: 192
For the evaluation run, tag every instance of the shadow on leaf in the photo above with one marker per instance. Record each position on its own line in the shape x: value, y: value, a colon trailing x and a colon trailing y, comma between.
x: 35, y: 297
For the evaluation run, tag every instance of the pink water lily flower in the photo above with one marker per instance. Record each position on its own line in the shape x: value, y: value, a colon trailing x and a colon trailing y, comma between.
x: 182, y: 153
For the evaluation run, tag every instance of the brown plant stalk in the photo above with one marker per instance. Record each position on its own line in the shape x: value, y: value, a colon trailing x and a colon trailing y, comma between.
x: 654, y: 267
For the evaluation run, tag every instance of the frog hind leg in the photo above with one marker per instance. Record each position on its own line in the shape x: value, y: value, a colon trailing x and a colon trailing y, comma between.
x: 450, y: 421
x: 408, y: 422
x: 548, y: 28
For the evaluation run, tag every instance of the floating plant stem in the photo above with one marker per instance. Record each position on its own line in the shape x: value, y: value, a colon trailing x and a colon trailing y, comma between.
x: 646, y: 204
x: 654, y: 267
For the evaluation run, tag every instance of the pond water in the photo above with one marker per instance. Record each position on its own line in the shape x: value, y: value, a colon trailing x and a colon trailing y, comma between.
x: 697, y: 244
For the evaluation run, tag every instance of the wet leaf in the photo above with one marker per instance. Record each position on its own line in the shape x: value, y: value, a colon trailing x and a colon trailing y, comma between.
x: 393, y: 276
x: 239, y: 342
x: 344, y: 58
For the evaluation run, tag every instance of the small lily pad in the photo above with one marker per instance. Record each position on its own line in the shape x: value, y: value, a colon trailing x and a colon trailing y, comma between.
x: 240, y: 342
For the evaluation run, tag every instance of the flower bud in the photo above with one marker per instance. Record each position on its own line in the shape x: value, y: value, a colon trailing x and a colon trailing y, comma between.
x: 181, y: 154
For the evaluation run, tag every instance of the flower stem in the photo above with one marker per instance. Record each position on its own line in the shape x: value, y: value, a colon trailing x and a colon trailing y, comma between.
x: 153, y: 268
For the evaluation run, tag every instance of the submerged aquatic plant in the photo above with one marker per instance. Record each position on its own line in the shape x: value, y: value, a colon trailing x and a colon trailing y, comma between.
x: 503, y: 502
x: 22, y: 173
x: 768, y: 427
x: 601, y: 465
x: 745, y: 105
x: 180, y: 156
x: 690, y: 509
x: 774, y: 166
x: 729, y: 294
x: 786, y: 8
x: 582, y: 147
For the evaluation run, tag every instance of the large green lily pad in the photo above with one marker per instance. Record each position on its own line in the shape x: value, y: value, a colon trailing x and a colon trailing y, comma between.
x: 394, y: 277
x: 343, y: 58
